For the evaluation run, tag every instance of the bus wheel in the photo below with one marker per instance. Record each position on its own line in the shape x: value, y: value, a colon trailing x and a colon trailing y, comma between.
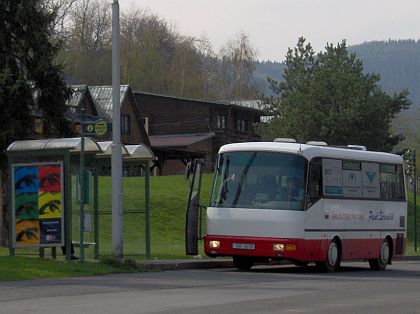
x: 383, y: 259
x: 333, y: 260
x: 243, y: 263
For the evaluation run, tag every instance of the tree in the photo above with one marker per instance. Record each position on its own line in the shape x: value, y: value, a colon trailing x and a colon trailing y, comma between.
x: 328, y: 97
x: 27, y: 68
x: 87, y: 41
x: 237, y: 65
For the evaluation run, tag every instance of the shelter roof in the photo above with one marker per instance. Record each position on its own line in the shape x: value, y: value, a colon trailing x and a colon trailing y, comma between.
x: 129, y: 152
x: 71, y: 144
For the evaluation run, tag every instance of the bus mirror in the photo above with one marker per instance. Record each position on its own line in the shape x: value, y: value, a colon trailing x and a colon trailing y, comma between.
x: 188, y: 170
x: 314, y: 190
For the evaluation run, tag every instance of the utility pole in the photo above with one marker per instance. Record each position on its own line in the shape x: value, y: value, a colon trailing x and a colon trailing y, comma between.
x: 410, y: 157
x: 116, y: 166
x: 413, y: 158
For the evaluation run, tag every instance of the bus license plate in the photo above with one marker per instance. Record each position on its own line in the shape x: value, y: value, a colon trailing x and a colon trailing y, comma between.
x: 243, y: 246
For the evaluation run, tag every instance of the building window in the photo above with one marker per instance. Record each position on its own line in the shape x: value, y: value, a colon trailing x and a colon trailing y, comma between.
x: 125, y: 124
x: 221, y: 121
x: 242, y: 125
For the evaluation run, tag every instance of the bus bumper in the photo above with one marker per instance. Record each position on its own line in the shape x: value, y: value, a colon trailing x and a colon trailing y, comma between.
x: 290, y: 249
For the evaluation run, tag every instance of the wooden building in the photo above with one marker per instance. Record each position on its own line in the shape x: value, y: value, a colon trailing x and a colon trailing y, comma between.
x: 177, y: 129
x: 195, y: 126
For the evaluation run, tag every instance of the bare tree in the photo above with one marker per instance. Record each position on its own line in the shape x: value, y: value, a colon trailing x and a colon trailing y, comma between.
x: 238, y: 58
x: 61, y: 10
x: 90, y: 24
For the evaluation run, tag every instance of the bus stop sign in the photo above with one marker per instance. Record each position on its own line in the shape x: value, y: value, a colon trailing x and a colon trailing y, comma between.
x: 98, y: 128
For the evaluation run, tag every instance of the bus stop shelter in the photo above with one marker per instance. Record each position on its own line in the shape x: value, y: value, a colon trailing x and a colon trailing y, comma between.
x: 40, y: 197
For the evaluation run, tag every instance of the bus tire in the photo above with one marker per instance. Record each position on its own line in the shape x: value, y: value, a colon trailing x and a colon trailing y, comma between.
x: 333, y: 258
x: 383, y: 259
x: 243, y: 263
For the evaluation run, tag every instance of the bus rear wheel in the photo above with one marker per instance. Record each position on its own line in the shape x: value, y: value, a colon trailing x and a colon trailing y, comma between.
x: 333, y: 259
x: 383, y: 259
x: 243, y: 263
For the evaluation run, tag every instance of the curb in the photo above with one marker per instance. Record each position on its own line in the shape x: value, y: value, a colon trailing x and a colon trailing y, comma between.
x: 185, y: 264
x: 162, y: 265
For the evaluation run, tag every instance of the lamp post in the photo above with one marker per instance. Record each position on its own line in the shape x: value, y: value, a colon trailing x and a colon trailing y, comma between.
x: 116, y: 160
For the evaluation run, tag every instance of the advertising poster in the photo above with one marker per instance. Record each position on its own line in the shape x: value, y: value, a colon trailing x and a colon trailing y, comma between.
x: 370, y: 180
x: 38, y: 204
x: 332, y: 177
x: 352, y: 183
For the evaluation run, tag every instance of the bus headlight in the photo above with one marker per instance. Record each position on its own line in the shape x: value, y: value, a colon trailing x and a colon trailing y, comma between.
x: 214, y: 244
x: 278, y: 247
x: 284, y: 247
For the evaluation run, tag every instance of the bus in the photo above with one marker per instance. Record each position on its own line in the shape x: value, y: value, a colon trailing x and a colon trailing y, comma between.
x: 306, y: 203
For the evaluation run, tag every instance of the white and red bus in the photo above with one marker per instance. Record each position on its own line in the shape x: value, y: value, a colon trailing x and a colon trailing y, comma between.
x: 304, y: 203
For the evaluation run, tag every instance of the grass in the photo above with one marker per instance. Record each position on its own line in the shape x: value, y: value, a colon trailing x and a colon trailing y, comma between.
x: 168, y: 203
x: 23, y: 267
x: 410, y: 224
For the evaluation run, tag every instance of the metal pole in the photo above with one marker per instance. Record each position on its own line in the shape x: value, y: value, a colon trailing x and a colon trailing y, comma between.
x: 415, y: 200
x: 117, y: 210
x: 147, y: 203
x: 10, y: 219
x: 96, y: 213
x: 82, y: 190
x: 67, y: 205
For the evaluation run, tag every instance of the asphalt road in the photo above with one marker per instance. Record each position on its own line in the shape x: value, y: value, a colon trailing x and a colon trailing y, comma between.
x: 275, y: 289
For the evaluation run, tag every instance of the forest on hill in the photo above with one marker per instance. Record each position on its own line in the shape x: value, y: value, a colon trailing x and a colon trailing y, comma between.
x: 396, y: 61
x: 155, y: 56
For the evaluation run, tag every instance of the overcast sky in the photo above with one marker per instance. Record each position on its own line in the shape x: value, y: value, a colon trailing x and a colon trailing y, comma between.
x: 275, y: 25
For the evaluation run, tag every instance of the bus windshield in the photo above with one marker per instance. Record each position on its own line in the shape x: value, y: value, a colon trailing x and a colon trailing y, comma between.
x: 268, y: 180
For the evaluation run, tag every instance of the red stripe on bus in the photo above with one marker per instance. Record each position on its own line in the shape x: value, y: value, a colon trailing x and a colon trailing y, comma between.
x: 306, y: 250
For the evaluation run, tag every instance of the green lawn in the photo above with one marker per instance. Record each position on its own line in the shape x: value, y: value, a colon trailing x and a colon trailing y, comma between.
x: 24, y: 267
x: 410, y: 225
x: 168, y: 203
x: 169, y: 196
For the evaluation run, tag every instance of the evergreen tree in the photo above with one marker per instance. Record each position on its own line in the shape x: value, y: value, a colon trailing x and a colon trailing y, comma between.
x: 328, y: 97
x: 27, y: 68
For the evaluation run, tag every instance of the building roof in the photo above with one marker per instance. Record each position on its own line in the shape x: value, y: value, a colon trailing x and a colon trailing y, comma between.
x: 244, y: 105
x: 102, y: 96
x: 79, y: 92
x: 178, y: 140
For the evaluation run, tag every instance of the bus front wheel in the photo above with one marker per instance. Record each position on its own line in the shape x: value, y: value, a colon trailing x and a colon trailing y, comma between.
x: 333, y: 259
x: 243, y: 263
x: 383, y: 259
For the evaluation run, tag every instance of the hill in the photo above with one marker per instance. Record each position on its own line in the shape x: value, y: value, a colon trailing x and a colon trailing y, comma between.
x: 396, y: 61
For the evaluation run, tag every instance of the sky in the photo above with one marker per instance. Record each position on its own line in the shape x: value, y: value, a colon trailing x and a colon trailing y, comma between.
x: 275, y: 25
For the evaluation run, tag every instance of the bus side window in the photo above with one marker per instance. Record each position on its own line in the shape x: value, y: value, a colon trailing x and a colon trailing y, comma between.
x: 314, y: 182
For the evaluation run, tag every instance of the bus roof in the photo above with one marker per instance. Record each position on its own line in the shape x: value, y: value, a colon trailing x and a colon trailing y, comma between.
x: 311, y: 151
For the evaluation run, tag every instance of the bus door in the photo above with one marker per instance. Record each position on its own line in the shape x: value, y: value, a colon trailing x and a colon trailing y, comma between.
x: 194, y: 209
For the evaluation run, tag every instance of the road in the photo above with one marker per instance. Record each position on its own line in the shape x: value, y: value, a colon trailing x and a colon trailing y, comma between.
x: 274, y: 289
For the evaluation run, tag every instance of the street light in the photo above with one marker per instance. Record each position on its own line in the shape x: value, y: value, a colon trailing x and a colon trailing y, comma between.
x: 116, y: 160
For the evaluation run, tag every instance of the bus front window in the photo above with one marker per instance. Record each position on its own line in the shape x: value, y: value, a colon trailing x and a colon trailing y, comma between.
x: 265, y: 180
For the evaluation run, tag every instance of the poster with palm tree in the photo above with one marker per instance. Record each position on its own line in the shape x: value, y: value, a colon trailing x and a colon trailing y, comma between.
x: 37, y: 204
